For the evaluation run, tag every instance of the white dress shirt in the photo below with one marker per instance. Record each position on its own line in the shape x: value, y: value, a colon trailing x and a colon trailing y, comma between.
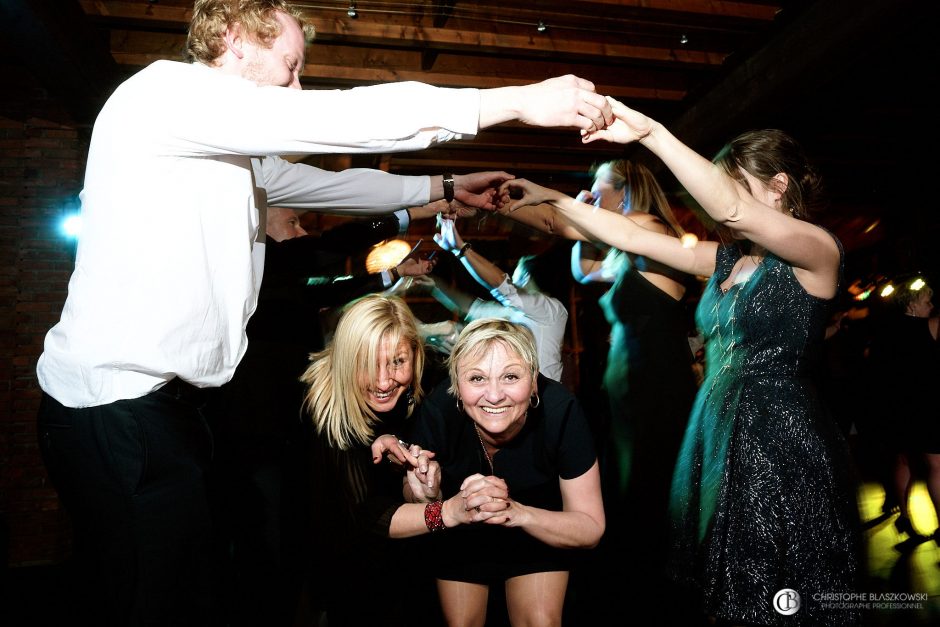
x: 181, y: 167
x: 545, y: 316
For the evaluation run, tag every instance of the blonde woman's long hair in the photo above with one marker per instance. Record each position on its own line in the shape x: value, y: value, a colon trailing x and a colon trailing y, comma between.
x: 334, y: 397
x: 642, y: 193
x: 642, y: 190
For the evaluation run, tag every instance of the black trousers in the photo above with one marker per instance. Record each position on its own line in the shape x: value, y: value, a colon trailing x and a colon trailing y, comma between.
x: 131, y: 475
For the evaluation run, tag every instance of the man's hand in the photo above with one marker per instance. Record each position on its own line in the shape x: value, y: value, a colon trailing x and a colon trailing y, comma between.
x: 478, y: 189
x: 565, y: 101
x: 415, y: 267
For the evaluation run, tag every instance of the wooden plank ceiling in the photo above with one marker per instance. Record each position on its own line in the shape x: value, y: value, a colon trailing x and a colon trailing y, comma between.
x: 651, y: 54
x: 841, y: 76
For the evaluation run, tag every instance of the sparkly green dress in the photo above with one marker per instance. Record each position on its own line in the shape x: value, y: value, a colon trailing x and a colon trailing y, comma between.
x: 763, y: 496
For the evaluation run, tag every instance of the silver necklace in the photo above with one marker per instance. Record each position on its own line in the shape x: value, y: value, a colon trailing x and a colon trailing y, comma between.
x: 724, y: 350
x: 727, y: 349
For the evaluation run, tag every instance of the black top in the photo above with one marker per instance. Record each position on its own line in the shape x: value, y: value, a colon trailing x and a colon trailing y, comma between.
x: 352, y: 504
x: 906, y: 362
x: 555, y: 443
x: 288, y: 305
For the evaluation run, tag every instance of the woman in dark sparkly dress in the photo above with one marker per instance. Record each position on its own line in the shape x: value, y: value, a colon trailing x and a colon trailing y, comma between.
x: 763, y: 503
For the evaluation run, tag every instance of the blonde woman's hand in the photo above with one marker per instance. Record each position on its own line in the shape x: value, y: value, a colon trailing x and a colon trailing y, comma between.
x: 398, y: 451
x: 585, y: 196
x: 424, y: 480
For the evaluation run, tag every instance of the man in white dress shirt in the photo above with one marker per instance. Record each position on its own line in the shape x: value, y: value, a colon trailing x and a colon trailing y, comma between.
x: 181, y: 167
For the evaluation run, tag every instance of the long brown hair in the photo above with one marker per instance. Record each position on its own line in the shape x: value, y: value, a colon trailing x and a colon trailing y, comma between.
x: 766, y: 153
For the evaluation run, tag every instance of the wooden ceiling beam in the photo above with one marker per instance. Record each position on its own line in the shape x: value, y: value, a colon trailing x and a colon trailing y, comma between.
x: 749, y: 10
x: 475, y: 42
x: 325, y: 76
x: 442, y: 10
x: 337, y: 65
x: 362, y: 31
x: 582, y: 12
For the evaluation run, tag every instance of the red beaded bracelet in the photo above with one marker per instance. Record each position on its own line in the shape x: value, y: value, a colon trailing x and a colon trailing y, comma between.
x: 432, y: 516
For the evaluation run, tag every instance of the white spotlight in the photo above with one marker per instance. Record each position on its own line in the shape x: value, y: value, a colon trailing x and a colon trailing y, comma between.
x: 72, y: 226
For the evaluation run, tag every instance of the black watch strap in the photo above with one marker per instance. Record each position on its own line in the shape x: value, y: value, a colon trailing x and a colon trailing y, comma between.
x: 448, y: 187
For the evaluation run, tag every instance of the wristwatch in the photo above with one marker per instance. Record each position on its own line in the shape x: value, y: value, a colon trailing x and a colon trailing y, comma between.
x: 463, y: 250
x: 448, y: 187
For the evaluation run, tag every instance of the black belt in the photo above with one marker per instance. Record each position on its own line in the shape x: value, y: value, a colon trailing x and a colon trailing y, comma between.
x: 180, y: 390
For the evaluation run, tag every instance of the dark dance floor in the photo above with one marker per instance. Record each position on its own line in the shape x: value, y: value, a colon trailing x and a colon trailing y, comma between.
x: 899, y: 563
x: 899, y: 567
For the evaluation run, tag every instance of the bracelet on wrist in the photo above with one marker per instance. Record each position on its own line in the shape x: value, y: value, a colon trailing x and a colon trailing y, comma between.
x: 463, y: 250
x: 448, y: 182
x: 433, y: 517
x: 395, y: 274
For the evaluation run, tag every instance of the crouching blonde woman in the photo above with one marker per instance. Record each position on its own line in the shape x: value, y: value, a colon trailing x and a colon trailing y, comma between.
x: 364, y: 384
x: 517, y: 448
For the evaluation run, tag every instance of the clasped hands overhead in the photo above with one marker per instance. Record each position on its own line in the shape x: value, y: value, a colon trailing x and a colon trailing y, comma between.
x: 597, y: 117
x: 502, y: 192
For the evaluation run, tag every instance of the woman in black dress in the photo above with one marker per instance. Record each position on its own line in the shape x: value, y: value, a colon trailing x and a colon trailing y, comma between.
x: 647, y: 379
x: 364, y: 384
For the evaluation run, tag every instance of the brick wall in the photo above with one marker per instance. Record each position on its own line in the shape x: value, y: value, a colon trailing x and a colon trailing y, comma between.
x: 42, y: 159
